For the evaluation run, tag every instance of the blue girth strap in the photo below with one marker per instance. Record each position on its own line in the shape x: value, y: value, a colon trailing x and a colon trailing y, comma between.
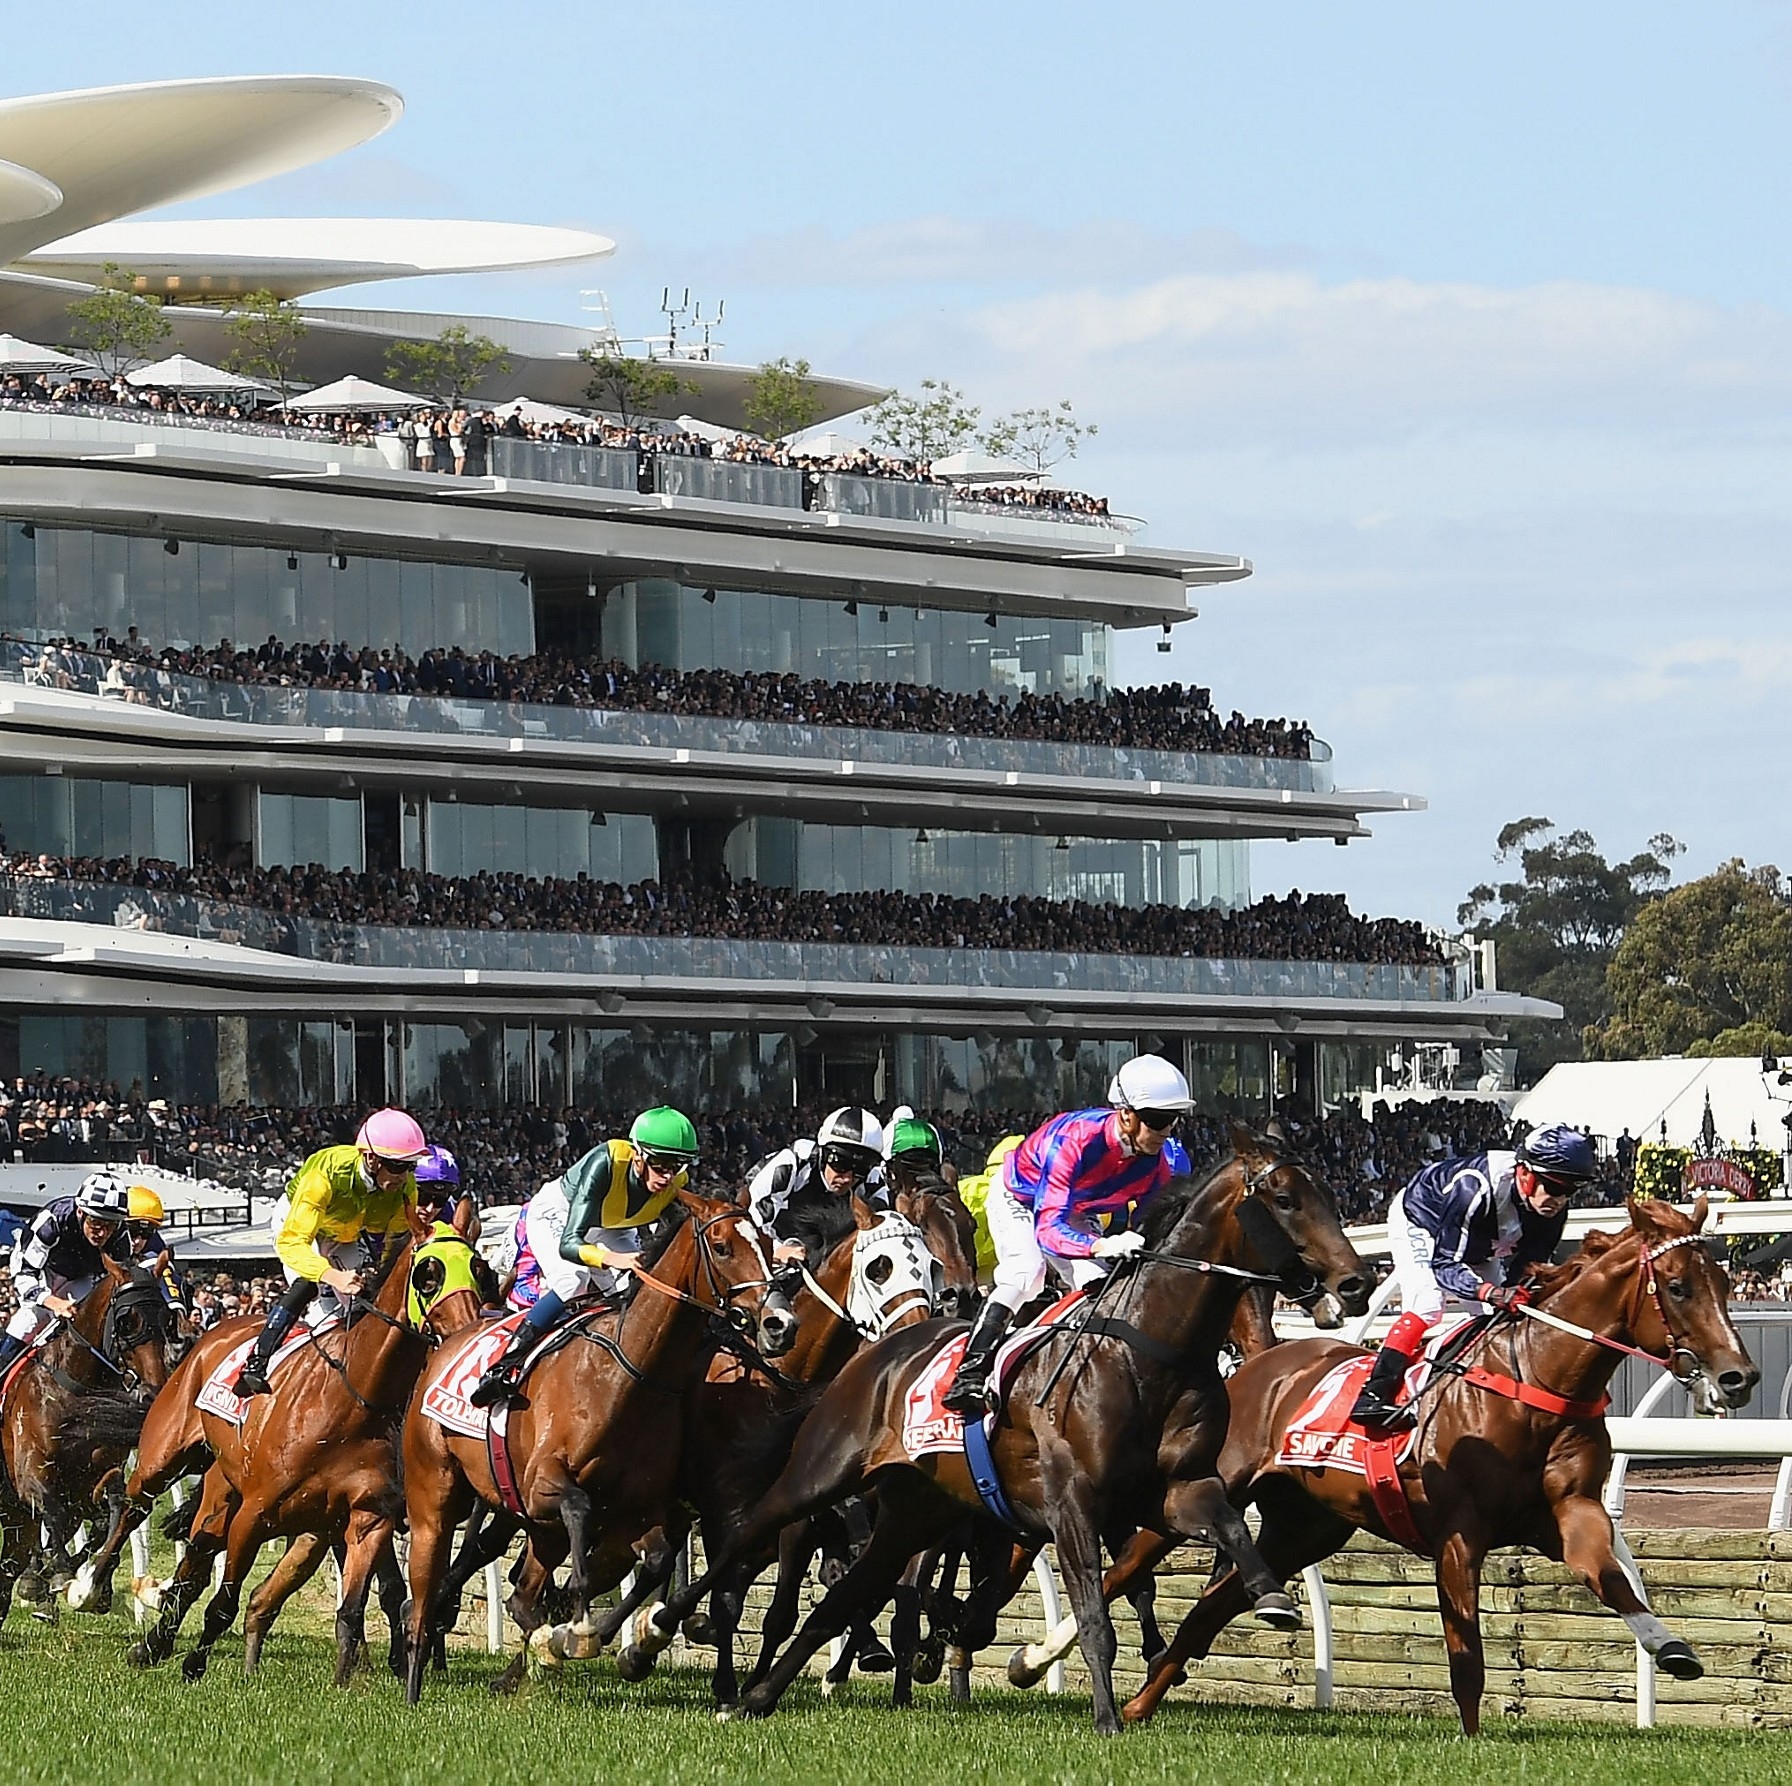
x: 982, y: 1465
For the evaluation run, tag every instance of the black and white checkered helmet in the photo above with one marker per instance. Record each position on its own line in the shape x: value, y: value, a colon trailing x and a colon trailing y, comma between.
x: 105, y: 1195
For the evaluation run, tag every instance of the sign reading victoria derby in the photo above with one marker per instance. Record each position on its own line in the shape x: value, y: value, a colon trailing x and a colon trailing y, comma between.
x: 1719, y: 1175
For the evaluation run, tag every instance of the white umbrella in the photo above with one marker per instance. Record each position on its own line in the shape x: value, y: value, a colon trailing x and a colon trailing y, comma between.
x: 179, y: 373
x: 357, y: 393
x: 830, y: 445
x: 970, y: 467
x: 27, y: 356
x: 549, y: 415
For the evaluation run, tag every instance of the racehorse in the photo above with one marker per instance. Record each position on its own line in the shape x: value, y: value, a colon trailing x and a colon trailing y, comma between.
x: 1078, y: 1449
x: 72, y: 1414
x: 594, y: 1444
x: 921, y: 1196
x: 1511, y: 1446
x: 313, y: 1462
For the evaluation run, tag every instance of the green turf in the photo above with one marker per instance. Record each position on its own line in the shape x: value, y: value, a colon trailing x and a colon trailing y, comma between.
x: 72, y: 1711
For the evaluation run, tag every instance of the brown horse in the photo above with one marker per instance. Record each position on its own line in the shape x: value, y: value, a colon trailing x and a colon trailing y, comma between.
x: 595, y: 1443
x: 1487, y: 1468
x: 1079, y: 1447
x: 314, y: 1462
x: 73, y: 1413
x: 924, y: 1198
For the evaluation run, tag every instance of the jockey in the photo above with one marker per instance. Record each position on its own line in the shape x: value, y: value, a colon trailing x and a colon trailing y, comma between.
x: 63, y: 1254
x: 1492, y: 1213
x: 973, y: 1192
x: 583, y: 1231
x: 340, y: 1203
x: 439, y: 1194
x: 149, y: 1246
x: 789, y: 1191
x: 1055, y: 1187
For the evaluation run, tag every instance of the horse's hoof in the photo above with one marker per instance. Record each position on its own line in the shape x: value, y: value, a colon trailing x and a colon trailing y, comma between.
x: 726, y: 1714
x: 192, y: 1666
x: 634, y: 1663
x: 700, y: 1628
x: 1153, y: 1663
x: 47, y: 1612
x: 757, y: 1704
x: 505, y: 1684
x: 82, y: 1593
x: 541, y: 1649
x: 147, y: 1592
x: 1021, y: 1672
x: 875, y: 1658
x: 829, y: 1686
x: 1678, y: 1658
x: 1278, y: 1611
x: 139, y: 1656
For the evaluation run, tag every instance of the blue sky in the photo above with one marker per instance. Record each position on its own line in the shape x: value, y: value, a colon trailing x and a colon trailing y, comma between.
x: 1473, y: 329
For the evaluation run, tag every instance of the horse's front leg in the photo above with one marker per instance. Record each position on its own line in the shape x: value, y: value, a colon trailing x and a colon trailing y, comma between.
x: 1459, y: 1600
x: 1201, y: 1508
x: 1070, y: 1507
x: 1585, y: 1531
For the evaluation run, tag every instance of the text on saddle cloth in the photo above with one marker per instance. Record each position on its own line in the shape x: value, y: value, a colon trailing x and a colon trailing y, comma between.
x: 446, y: 1401
x: 928, y: 1426
x: 219, y: 1395
x: 1322, y: 1436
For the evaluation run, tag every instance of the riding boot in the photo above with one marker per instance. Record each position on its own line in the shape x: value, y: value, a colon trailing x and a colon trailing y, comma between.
x: 252, y: 1379
x: 1375, y: 1406
x: 969, y: 1393
x: 500, y: 1382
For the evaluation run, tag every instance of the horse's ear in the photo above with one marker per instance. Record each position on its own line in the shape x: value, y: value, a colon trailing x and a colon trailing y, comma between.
x: 465, y: 1220
x: 863, y: 1215
x: 1243, y: 1140
x: 1700, y: 1209
x: 1645, y: 1214
x: 116, y: 1269
x: 418, y: 1224
x: 1276, y: 1131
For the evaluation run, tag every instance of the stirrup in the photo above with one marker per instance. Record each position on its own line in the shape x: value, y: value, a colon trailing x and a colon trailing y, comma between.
x: 498, y: 1384
x: 968, y: 1395
x: 250, y: 1381
x: 1380, y: 1415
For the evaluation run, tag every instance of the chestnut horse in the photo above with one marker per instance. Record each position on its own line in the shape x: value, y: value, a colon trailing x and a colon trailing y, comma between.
x: 313, y: 1462
x: 73, y: 1413
x: 595, y: 1440
x: 1487, y: 1469
x: 1079, y: 1446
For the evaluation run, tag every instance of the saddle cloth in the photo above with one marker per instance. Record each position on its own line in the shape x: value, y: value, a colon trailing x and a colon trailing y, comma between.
x: 17, y: 1368
x: 219, y: 1395
x: 1322, y: 1436
x: 445, y: 1400
x: 927, y: 1425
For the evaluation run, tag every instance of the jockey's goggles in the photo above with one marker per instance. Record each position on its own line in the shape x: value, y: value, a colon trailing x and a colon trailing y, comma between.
x: 1159, y: 1122
x: 858, y: 1161
x: 656, y: 1159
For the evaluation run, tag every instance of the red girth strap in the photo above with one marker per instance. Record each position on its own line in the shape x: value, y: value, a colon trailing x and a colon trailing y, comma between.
x: 1389, y: 1496
x: 1546, y: 1400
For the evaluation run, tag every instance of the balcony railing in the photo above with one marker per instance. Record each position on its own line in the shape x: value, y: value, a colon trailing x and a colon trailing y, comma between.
x: 719, y: 959
x: 202, y: 697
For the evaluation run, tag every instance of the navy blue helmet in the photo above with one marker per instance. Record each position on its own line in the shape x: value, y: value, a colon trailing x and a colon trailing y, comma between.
x: 1558, y: 1151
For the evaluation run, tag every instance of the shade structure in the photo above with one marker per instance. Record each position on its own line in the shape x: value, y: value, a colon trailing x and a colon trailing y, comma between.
x: 179, y: 373
x: 832, y: 445
x: 542, y: 415
x: 353, y: 393
x: 27, y: 356
x: 970, y: 467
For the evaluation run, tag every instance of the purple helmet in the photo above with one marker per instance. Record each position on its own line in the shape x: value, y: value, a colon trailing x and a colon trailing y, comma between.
x: 437, y: 1167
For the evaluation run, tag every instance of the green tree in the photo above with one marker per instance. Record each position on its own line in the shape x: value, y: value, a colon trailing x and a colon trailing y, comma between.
x: 1556, y: 925
x: 781, y: 400
x: 116, y: 326
x: 267, y: 331
x: 448, y: 368
x: 1706, y: 968
x: 630, y: 389
x: 929, y: 425
x: 1037, y: 437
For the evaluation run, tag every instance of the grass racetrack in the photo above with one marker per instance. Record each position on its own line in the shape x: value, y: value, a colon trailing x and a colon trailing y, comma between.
x: 74, y: 1712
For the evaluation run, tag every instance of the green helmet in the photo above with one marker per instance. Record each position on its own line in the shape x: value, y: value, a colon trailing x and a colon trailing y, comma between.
x: 664, y: 1130
x: 909, y: 1135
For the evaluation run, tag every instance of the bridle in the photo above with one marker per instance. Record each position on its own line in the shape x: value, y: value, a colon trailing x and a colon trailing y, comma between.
x: 876, y: 1325
x: 721, y: 1292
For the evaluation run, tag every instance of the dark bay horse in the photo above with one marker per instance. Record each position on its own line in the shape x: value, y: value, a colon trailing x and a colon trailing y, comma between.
x: 1079, y: 1449
x: 73, y: 1413
x: 595, y: 1441
x: 1487, y: 1469
x: 314, y: 1462
x: 923, y: 1197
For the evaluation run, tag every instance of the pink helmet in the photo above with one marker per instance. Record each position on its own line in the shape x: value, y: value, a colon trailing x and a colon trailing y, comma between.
x: 392, y: 1135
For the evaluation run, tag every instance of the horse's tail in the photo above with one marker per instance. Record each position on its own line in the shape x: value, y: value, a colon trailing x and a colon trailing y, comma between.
x: 101, y: 1420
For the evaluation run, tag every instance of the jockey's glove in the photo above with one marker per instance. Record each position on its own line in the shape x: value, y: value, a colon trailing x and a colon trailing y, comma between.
x: 1117, y: 1246
x: 1504, y: 1296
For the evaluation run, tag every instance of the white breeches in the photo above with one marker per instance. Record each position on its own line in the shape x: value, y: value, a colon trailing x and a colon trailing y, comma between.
x: 1020, y: 1262
x: 29, y: 1318
x: 340, y: 1255
x: 1411, y: 1246
x: 544, y: 1222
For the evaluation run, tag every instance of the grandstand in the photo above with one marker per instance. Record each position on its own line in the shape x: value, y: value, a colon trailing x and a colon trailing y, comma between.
x: 598, y: 764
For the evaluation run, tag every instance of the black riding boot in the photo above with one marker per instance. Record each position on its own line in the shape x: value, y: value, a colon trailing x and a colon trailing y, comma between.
x: 252, y: 1379
x: 1375, y: 1404
x: 969, y: 1393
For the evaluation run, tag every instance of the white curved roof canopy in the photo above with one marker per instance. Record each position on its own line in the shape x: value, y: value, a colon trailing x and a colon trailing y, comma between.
x: 112, y: 151
x: 25, y: 195
x: 293, y: 256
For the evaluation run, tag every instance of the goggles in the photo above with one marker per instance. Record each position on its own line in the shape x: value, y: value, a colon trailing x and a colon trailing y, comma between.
x: 858, y: 1161
x: 657, y: 1159
x: 1159, y: 1122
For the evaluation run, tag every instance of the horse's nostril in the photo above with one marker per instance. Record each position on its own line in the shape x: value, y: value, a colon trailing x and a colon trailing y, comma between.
x: 1351, y: 1290
x: 1737, y: 1385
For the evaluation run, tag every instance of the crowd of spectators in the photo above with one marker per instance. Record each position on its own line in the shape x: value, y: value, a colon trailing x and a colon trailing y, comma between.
x: 453, y: 439
x: 1164, y: 717
x: 1297, y: 927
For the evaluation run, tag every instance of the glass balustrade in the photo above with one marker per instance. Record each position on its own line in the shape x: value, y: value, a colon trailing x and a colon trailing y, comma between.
x: 200, y: 697
x: 661, y: 959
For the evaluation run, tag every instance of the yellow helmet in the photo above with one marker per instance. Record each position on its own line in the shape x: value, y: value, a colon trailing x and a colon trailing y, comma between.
x: 146, y: 1206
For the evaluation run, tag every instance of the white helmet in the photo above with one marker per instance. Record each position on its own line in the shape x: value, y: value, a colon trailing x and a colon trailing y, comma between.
x: 857, y: 1132
x: 105, y: 1195
x: 1149, y: 1082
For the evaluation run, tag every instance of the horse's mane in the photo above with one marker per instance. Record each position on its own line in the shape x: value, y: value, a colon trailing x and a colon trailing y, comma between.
x: 1550, y: 1279
x: 1178, y: 1197
x: 663, y: 1232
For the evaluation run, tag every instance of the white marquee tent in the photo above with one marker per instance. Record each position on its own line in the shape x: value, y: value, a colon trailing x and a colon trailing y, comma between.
x: 1607, y: 1097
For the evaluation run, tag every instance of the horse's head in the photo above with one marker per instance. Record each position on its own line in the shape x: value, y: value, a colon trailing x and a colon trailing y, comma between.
x: 895, y: 1278
x: 128, y: 1321
x: 1680, y: 1309
x: 1290, y: 1227
x: 733, y: 1273
x: 447, y: 1283
x: 951, y: 1233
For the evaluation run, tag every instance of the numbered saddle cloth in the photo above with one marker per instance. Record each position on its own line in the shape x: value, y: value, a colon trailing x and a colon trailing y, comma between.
x: 219, y: 1395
